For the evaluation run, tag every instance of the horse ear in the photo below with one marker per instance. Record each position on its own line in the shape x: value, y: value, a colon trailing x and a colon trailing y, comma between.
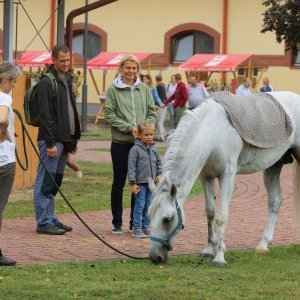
x: 152, y: 185
x: 173, y: 191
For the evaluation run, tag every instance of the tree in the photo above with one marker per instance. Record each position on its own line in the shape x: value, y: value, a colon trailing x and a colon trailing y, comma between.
x: 283, y: 18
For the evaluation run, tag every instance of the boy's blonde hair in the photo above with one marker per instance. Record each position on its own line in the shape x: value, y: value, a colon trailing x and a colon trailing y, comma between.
x: 145, y: 125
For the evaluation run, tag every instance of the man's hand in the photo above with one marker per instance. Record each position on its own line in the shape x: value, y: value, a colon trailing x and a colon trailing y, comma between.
x: 52, y: 152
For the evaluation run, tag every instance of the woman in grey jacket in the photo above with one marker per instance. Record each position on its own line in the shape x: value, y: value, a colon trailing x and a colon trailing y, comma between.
x: 128, y: 102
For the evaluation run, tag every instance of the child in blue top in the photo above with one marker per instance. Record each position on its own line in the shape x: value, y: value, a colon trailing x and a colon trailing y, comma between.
x: 147, y: 79
x: 143, y: 162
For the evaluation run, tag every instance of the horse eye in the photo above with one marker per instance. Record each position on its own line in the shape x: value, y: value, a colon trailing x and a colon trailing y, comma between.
x: 167, y: 220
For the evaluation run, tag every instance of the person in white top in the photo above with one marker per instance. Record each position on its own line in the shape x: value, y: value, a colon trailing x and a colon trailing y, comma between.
x: 171, y: 87
x: 8, y: 76
x: 197, y: 93
x: 245, y: 88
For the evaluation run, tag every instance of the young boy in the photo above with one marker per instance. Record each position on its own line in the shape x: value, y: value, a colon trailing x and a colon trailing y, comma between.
x: 143, y: 162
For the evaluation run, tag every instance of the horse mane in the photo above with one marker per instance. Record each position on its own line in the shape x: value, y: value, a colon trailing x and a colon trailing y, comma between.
x: 181, y: 137
x: 178, y: 141
x: 158, y: 197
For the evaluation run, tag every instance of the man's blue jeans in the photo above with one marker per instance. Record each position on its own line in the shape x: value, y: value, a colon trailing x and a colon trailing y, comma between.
x: 142, y: 202
x: 44, y: 188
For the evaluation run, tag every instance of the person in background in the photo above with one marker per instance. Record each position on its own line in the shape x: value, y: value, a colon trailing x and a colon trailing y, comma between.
x: 143, y: 162
x: 128, y: 102
x: 147, y: 79
x: 8, y: 76
x: 245, y: 88
x: 266, y: 87
x: 197, y: 93
x: 59, y: 131
x: 74, y: 166
x: 180, y: 96
x: 161, y: 114
x: 170, y: 89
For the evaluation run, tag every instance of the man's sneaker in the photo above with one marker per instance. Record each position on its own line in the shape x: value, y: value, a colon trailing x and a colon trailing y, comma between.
x: 138, y: 232
x: 64, y: 227
x: 4, y: 261
x: 117, y: 230
x: 52, y: 230
x: 147, y: 231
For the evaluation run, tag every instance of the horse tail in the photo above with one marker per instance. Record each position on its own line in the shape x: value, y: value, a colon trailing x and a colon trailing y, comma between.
x: 297, y: 191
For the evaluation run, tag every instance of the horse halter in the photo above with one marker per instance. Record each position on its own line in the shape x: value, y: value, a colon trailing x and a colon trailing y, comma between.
x: 168, y: 241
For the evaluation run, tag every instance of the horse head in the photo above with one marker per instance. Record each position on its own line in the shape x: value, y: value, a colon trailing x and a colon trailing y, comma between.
x: 166, y: 219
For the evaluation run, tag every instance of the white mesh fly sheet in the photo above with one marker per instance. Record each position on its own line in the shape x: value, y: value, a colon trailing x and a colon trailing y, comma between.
x: 258, y: 118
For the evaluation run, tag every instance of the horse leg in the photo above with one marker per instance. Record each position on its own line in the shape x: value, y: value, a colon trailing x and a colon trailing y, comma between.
x: 227, y: 186
x: 272, y: 184
x: 208, y: 185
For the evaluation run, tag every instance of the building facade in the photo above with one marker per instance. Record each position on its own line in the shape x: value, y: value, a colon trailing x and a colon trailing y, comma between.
x: 171, y: 30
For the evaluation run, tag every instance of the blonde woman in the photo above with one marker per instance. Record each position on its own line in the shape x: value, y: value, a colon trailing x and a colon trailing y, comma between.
x: 128, y: 102
x: 8, y: 76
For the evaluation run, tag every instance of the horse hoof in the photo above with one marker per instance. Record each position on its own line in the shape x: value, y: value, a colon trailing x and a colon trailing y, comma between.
x: 259, y: 251
x: 208, y: 256
x: 219, y: 264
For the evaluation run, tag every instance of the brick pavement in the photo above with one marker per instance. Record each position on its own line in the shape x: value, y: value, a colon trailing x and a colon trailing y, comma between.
x: 247, y: 218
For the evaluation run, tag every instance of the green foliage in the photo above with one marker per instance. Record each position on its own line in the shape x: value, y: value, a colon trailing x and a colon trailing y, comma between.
x: 283, y: 18
x: 275, y: 276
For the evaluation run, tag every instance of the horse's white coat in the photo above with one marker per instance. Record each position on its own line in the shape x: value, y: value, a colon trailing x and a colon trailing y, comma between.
x: 205, y: 145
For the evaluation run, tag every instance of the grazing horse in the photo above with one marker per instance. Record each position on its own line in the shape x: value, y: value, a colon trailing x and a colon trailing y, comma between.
x: 206, y: 145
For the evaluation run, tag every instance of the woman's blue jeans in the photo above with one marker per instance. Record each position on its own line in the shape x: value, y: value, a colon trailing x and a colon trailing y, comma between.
x: 142, y: 202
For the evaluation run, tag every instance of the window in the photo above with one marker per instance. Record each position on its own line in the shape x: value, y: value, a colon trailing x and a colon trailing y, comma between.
x: 94, y: 43
x: 241, y: 71
x: 296, y: 56
x: 185, y: 45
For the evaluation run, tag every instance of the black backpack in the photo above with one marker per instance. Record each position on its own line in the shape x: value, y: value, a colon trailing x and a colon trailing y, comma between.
x: 31, y: 106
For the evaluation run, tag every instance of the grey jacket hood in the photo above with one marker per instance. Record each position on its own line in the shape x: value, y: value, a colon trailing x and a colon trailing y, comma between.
x: 118, y: 83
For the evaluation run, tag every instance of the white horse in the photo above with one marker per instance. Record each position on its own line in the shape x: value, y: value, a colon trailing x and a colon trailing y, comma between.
x: 206, y: 145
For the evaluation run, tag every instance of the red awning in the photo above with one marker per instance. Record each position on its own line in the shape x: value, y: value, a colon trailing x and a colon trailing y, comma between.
x: 34, y: 58
x: 214, y: 62
x: 38, y: 58
x: 111, y: 60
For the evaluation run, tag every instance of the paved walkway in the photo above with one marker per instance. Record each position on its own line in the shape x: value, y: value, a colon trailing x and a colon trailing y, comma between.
x: 247, y: 218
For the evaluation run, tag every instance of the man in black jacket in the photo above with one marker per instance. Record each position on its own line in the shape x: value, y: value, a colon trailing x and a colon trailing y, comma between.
x: 59, y: 131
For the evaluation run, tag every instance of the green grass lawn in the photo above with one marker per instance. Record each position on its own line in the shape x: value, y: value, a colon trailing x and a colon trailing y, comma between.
x: 90, y: 193
x: 96, y: 132
x: 275, y: 276
x: 162, y: 150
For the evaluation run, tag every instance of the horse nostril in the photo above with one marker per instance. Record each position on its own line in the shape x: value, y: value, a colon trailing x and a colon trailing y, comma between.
x: 159, y: 260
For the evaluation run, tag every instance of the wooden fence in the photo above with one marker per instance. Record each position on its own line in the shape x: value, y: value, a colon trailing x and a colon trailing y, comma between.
x: 22, y: 178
